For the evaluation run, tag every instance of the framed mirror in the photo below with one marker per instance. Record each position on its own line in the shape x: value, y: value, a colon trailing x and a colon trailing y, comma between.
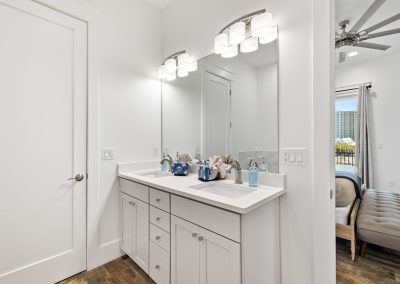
x: 227, y: 106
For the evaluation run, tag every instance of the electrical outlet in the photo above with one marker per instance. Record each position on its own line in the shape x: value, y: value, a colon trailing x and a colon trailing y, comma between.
x: 108, y: 153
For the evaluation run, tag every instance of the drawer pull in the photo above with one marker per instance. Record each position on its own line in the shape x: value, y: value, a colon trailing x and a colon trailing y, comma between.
x: 201, y: 238
x: 157, y: 266
x: 194, y: 235
x: 158, y: 199
x: 131, y: 203
x: 158, y: 218
x: 158, y: 237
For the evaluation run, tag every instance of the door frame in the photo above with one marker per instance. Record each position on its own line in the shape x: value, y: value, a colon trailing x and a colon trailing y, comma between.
x: 85, y: 11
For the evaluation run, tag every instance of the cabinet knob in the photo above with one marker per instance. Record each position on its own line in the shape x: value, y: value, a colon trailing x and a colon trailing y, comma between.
x: 157, y: 238
x: 157, y: 266
x: 158, y: 199
x: 131, y: 203
x: 201, y: 238
x: 158, y: 218
x: 194, y: 235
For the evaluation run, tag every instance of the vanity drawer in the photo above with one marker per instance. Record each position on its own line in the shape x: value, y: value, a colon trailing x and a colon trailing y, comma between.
x: 160, y: 237
x: 160, y: 218
x: 159, y: 269
x: 217, y: 220
x: 134, y: 189
x: 160, y: 199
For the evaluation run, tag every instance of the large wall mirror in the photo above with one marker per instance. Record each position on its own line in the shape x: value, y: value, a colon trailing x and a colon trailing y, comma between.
x: 227, y: 106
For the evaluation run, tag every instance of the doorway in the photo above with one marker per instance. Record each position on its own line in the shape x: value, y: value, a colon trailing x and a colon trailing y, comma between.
x: 43, y: 115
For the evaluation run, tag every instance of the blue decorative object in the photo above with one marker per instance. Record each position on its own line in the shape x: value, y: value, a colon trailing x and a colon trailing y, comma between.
x: 204, y: 173
x: 180, y: 169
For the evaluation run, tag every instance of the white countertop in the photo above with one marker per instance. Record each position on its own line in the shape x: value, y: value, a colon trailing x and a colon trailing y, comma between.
x: 183, y: 186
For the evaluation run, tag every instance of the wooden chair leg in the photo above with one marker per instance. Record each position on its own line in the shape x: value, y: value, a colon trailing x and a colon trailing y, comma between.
x: 363, y: 249
x: 353, y: 250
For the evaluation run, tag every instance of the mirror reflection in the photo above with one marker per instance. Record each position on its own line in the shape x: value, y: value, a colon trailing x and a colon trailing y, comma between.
x: 227, y: 106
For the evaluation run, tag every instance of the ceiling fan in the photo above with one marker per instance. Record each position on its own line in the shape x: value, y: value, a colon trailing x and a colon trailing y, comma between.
x: 357, y: 36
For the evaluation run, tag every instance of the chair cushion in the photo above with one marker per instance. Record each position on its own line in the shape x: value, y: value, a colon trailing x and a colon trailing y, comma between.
x: 378, y: 219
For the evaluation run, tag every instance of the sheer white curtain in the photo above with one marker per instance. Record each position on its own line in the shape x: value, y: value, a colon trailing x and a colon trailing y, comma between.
x: 363, y: 152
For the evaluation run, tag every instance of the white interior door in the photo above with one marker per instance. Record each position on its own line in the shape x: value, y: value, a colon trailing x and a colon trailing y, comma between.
x: 43, y: 93
x: 217, y: 115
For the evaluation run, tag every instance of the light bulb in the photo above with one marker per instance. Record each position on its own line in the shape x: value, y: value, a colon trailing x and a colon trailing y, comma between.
x: 249, y: 45
x: 270, y: 36
x: 237, y: 33
x: 352, y: 53
x: 162, y: 72
x: 230, y: 51
x: 260, y: 24
x: 220, y: 43
x: 170, y: 65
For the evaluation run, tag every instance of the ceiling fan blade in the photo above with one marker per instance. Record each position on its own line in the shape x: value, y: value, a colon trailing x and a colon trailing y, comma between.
x: 342, y: 56
x: 373, y: 45
x: 385, y: 33
x: 368, y: 14
x: 383, y: 23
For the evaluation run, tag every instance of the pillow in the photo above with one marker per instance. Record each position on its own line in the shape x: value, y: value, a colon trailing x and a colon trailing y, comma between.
x: 345, y: 192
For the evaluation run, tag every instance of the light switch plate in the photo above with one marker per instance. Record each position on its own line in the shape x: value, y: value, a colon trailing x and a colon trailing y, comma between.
x: 296, y: 157
x: 108, y: 153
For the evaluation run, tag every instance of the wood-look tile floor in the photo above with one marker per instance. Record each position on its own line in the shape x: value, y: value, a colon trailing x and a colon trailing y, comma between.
x: 380, y: 265
x: 119, y: 271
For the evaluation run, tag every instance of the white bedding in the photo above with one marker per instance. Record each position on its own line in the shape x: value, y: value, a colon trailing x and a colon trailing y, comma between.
x: 342, y: 214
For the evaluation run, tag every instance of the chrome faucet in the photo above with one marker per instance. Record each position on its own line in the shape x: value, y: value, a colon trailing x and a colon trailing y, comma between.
x: 167, y: 158
x: 238, y: 171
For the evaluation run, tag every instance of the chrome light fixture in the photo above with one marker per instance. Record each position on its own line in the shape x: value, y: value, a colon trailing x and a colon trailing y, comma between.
x: 248, y: 31
x: 177, y: 64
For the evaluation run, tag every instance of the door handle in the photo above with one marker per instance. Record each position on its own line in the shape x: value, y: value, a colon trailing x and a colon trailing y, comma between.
x: 78, y: 177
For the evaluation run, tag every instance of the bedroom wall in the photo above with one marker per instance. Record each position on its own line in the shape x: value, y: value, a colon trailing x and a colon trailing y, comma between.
x: 383, y: 72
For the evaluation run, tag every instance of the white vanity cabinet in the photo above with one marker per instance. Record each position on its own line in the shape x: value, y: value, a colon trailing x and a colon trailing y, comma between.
x: 135, y: 230
x: 200, y: 256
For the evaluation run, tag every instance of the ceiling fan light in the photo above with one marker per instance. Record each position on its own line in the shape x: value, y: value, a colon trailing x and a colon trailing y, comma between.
x: 220, y: 43
x: 230, y: 51
x: 162, y: 72
x: 182, y: 73
x: 270, y: 36
x: 170, y: 65
x: 249, y: 45
x: 237, y: 33
x: 261, y: 24
x: 352, y: 53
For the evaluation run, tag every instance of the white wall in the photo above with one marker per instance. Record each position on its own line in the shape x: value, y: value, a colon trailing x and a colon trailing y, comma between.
x: 384, y: 103
x: 202, y: 21
x: 130, y: 53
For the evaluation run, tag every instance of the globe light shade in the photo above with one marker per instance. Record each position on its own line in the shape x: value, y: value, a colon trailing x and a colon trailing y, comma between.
x: 192, y: 65
x: 162, y: 72
x: 220, y: 43
x: 237, y: 33
x: 249, y: 45
x: 171, y: 76
x: 183, y: 59
x: 260, y: 24
x: 270, y: 36
x: 230, y: 51
x: 170, y: 65
x: 182, y: 73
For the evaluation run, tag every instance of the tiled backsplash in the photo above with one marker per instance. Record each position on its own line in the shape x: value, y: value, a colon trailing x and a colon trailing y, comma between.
x: 271, y: 159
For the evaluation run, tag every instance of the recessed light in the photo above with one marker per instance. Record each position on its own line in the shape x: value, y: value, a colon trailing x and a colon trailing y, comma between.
x: 353, y: 53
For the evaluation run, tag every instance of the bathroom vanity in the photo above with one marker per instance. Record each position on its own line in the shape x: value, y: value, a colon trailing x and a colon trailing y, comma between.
x: 180, y: 230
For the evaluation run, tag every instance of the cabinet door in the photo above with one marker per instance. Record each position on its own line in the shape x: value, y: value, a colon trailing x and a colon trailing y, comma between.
x: 135, y: 230
x: 219, y: 259
x: 185, y: 252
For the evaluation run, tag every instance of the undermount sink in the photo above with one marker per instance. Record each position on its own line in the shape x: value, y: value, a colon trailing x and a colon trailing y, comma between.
x: 224, y: 189
x: 155, y: 174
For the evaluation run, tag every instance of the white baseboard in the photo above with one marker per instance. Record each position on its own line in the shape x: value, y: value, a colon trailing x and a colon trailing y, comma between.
x: 108, y: 252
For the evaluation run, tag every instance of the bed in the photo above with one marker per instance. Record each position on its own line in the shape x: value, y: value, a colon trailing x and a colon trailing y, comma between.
x: 348, y: 198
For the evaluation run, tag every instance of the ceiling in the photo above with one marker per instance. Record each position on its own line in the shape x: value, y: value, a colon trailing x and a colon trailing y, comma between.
x: 161, y: 4
x: 353, y: 9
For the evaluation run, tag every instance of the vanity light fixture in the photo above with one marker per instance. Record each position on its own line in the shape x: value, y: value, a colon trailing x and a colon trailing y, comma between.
x: 247, y: 31
x: 177, y: 64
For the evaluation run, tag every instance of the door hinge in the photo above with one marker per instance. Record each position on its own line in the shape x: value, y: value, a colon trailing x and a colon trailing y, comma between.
x: 230, y: 124
x: 230, y: 92
x: 331, y: 194
x: 87, y: 175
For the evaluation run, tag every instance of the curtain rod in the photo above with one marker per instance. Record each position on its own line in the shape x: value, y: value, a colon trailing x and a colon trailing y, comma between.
x: 355, y: 87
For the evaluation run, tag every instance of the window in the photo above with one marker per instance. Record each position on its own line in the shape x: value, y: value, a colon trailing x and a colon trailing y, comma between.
x: 346, y: 125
